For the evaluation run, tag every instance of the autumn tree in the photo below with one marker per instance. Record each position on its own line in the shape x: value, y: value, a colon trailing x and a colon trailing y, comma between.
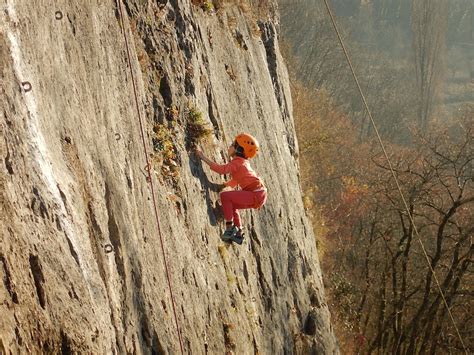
x: 381, y: 274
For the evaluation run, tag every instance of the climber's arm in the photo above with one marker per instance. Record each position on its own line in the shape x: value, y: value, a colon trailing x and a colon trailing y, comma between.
x: 218, y: 168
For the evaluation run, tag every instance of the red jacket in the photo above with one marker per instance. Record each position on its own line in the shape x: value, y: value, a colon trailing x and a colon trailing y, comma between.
x: 241, y: 174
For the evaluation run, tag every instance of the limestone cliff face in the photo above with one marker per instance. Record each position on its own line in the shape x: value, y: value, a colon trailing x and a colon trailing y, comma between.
x: 81, y: 263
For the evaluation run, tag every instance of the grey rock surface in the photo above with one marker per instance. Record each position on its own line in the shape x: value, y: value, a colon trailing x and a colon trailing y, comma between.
x: 81, y: 261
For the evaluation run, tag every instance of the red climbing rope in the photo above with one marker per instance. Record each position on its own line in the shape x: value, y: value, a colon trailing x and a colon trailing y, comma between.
x: 149, y: 178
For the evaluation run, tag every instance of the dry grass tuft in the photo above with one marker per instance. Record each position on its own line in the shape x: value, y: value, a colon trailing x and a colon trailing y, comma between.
x: 197, y: 129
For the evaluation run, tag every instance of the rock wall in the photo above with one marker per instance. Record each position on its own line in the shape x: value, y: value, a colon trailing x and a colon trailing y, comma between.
x: 81, y: 261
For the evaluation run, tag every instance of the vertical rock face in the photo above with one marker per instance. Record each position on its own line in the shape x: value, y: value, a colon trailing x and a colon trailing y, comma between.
x: 82, y: 267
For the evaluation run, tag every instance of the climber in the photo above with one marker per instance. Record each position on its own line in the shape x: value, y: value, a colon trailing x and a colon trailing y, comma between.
x: 252, y: 193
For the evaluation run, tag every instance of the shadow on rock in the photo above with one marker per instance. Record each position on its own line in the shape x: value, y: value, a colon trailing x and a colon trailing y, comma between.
x: 214, y: 210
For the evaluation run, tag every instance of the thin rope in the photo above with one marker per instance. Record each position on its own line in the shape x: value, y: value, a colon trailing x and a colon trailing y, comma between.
x: 374, y: 126
x: 149, y: 178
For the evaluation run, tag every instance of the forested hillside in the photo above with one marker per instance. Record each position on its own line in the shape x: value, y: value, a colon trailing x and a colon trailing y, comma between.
x: 415, y: 63
x: 399, y: 276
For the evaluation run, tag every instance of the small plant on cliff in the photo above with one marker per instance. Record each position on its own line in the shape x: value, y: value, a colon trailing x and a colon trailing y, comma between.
x: 164, y: 156
x: 222, y: 252
x: 162, y: 142
x: 173, y: 114
x: 228, y: 339
x: 197, y: 129
x: 206, y: 5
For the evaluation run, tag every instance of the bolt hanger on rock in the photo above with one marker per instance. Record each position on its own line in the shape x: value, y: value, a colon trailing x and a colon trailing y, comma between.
x: 26, y: 86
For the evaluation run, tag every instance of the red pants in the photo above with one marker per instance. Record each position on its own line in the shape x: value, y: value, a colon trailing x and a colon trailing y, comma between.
x: 233, y: 201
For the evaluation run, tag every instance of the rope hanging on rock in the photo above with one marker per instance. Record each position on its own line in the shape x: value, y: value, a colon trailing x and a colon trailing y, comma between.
x: 149, y: 178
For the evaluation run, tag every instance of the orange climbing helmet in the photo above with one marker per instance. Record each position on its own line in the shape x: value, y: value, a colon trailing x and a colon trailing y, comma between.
x: 247, y: 143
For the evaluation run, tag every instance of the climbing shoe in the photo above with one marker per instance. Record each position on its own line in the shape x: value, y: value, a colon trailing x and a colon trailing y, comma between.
x: 238, y: 237
x: 229, y: 234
